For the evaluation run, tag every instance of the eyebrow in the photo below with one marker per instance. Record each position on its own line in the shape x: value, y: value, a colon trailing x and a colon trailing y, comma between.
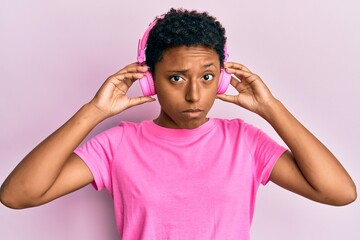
x: 186, y: 70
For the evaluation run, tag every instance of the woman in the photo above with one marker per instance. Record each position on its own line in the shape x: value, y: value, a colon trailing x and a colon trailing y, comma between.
x: 182, y: 175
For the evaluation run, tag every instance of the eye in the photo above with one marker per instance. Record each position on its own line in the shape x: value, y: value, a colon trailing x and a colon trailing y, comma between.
x: 208, y: 77
x: 176, y: 78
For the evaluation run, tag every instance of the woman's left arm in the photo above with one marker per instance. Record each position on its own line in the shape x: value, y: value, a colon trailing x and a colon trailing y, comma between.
x: 310, y: 169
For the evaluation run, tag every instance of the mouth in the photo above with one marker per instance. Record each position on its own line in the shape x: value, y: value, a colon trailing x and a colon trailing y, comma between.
x: 193, y: 113
x: 192, y: 110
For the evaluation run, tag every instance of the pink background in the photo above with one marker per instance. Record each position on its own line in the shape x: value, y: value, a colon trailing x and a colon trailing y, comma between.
x: 54, y: 55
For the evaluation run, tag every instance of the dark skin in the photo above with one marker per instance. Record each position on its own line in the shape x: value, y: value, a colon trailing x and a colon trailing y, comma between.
x: 186, y: 82
x: 186, y: 86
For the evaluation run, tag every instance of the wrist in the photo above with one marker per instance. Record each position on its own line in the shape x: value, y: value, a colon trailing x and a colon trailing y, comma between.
x: 270, y: 109
x: 92, y: 113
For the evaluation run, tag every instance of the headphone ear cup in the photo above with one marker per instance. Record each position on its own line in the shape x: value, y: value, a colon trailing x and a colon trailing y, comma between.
x: 224, y: 81
x: 147, y: 84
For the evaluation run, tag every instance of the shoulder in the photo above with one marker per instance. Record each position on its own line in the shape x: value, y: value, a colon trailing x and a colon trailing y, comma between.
x: 115, y: 133
x: 238, y: 129
x: 126, y: 125
x: 235, y: 124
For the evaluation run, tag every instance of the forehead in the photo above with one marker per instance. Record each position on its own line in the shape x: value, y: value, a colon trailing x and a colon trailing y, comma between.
x: 183, y: 54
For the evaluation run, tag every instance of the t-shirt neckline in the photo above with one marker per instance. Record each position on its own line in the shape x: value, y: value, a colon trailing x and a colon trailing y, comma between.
x: 175, y: 134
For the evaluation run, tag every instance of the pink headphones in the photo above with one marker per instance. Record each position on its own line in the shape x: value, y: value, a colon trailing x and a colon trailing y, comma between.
x: 147, y: 82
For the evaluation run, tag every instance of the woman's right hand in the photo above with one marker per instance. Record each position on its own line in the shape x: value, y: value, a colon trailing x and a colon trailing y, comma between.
x: 111, y: 98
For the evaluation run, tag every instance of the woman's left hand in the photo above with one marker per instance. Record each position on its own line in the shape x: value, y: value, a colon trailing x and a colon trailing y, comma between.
x: 253, y: 95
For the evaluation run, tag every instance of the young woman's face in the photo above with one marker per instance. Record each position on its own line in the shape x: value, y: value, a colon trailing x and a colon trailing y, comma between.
x: 186, y: 82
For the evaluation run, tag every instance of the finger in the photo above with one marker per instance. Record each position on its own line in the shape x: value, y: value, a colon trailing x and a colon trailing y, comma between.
x: 138, y: 68
x: 127, y: 66
x: 227, y: 98
x: 234, y: 82
x: 133, y: 68
x: 124, y: 81
x: 140, y: 100
x: 130, y: 78
x: 236, y: 66
x: 237, y: 84
x: 241, y: 74
x: 126, y: 77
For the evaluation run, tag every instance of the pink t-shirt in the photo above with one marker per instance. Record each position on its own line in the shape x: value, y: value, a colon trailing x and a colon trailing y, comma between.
x: 176, y: 184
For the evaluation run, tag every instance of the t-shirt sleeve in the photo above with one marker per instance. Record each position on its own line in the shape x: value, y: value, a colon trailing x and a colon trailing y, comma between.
x: 98, y: 154
x: 265, y: 152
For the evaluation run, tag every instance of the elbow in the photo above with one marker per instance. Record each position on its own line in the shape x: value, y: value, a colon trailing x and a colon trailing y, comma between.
x: 346, y: 196
x: 4, y: 199
x: 351, y: 195
x: 9, y: 203
x: 342, y: 195
x: 8, y: 200
x: 17, y: 197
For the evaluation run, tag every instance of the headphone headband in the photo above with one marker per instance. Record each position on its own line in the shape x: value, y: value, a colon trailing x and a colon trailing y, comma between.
x: 143, y: 41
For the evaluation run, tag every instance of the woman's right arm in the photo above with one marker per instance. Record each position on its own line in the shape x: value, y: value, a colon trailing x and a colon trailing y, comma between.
x: 51, y: 169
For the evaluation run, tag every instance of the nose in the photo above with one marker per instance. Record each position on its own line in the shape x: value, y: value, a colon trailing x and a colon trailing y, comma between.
x: 192, y: 91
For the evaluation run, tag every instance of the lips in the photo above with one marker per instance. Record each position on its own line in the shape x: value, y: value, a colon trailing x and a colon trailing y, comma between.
x: 192, y: 113
x: 193, y: 110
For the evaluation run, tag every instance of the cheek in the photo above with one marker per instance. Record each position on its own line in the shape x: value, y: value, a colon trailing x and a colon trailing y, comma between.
x: 162, y: 90
x: 210, y: 92
x: 210, y: 100
x: 166, y: 97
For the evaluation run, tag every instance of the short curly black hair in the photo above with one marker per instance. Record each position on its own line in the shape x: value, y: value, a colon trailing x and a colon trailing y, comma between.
x: 180, y: 27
